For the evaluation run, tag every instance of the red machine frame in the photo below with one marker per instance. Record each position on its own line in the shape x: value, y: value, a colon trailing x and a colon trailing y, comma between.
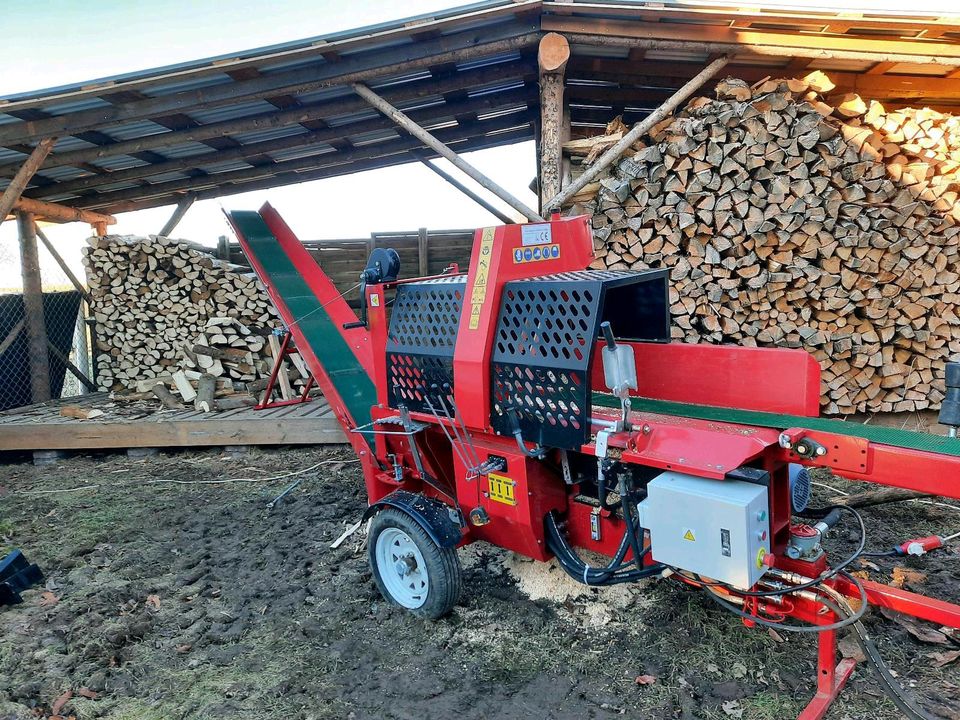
x: 772, y: 380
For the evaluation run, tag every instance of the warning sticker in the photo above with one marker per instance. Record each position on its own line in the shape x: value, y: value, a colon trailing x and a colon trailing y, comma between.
x: 479, y: 292
x: 688, y: 535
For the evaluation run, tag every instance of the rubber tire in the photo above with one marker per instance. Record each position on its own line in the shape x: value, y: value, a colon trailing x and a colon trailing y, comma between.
x: 443, y: 565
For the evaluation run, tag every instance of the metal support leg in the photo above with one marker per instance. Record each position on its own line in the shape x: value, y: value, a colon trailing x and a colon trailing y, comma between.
x: 831, y: 676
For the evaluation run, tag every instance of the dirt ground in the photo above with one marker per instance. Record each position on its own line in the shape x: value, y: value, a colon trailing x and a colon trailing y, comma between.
x: 171, y: 594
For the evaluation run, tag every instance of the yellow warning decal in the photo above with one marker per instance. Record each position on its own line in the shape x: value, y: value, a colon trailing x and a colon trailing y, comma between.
x: 500, y: 488
x: 688, y: 535
x: 479, y: 292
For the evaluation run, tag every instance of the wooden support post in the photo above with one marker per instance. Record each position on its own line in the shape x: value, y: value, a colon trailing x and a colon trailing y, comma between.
x: 503, y: 217
x: 19, y: 182
x: 423, y: 252
x: 178, y: 214
x: 63, y: 265
x: 223, y: 248
x: 33, y: 309
x: 552, y: 59
x: 635, y: 132
x: 438, y: 147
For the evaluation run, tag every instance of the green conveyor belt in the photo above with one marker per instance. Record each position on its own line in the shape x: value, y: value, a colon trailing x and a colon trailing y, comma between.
x: 344, y: 370
x: 873, y: 433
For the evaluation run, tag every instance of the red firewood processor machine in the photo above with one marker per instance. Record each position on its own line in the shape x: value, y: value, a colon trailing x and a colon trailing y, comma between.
x: 540, y: 406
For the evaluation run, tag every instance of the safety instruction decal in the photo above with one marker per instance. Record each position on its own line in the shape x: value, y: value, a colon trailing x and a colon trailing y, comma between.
x: 688, y: 535
x: 479, y: 292
x: 536, y: 254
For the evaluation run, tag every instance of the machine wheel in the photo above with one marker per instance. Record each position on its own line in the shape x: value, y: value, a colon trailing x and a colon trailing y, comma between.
x: 410, y: 569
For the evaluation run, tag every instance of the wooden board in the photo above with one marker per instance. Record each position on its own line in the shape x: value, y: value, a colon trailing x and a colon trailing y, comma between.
x: 41, y: 427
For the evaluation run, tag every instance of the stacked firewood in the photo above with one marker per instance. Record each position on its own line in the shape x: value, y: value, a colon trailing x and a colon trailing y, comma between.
x: 168, y: 313
x: 789, y: 218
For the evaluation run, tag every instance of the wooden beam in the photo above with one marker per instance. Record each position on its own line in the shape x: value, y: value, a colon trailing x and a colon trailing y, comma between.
x: 358, y: 68
x: 12, y: 336
x: 74, y: 370
x: 480, y: 142
x: 635, y: 132
x: 432, y: 142
x: 27, y: 170
x: 482, y: 202
x: 178, y: 212
x: 808, y: 20
x: 656, y: 76
x: 371, y: 150
x: 880, y: 68
x: 36, y: 328
x: 552, y: 60
x: 318, y: 140
x: 699, y: 39
x: 63, y: 265
x: 444, y: 84
x: 62, y: 213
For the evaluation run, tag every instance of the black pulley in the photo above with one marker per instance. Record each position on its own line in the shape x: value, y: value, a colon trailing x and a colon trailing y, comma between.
x: 382, y: 266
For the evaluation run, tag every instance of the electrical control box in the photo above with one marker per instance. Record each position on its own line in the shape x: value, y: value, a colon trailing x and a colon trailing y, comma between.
x: 719, y: 529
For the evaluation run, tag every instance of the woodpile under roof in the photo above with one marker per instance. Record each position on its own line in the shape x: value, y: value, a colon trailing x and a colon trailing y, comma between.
x: 790, y: 220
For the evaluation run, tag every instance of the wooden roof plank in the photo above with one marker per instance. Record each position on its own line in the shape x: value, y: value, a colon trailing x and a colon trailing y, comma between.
x: 361, y: 67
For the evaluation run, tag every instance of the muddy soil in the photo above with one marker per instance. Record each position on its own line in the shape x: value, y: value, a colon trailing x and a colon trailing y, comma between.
x: 168, y: 600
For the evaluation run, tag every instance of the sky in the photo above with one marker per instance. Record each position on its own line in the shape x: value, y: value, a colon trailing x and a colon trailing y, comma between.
x: 84, y: 40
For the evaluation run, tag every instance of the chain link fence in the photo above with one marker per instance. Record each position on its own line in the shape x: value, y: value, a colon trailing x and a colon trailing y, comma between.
x: 59, y: 364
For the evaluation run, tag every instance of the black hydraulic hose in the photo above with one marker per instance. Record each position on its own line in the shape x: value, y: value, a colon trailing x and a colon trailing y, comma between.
x: 893, y: 689
x: 633, y: 527
x: 612, y: 574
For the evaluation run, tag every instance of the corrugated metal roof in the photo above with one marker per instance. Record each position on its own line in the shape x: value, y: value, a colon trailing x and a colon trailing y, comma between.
x: 470, y: 73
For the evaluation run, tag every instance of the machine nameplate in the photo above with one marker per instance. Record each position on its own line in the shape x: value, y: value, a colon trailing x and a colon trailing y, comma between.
x: 501, y: 489
x: 536, y: 234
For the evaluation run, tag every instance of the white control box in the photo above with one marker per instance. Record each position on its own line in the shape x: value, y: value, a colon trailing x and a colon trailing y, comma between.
x: 719, y: 529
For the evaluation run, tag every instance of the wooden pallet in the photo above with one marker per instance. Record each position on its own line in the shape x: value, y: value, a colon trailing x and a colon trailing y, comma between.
x: 41, y: 427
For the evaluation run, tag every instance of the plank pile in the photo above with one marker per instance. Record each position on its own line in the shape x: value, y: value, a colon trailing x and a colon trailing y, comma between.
x: 790, y: 218
x: 168, y: 313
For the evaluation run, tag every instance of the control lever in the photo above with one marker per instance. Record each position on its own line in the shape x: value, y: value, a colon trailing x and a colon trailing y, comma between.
x: 619, y: 373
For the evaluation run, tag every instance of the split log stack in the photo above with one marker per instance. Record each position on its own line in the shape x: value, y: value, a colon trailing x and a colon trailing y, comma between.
x: 169, y: 313
x: 791, y: 218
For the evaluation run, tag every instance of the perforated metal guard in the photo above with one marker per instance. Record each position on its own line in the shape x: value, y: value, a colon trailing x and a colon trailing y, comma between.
x: 545, y: 335
x: 423, y: 333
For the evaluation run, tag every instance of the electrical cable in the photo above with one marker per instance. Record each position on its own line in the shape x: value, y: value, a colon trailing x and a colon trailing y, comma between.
x: 826, y: 575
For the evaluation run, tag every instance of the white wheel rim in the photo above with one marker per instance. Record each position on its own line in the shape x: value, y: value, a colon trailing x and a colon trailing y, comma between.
x: 402, y: 568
